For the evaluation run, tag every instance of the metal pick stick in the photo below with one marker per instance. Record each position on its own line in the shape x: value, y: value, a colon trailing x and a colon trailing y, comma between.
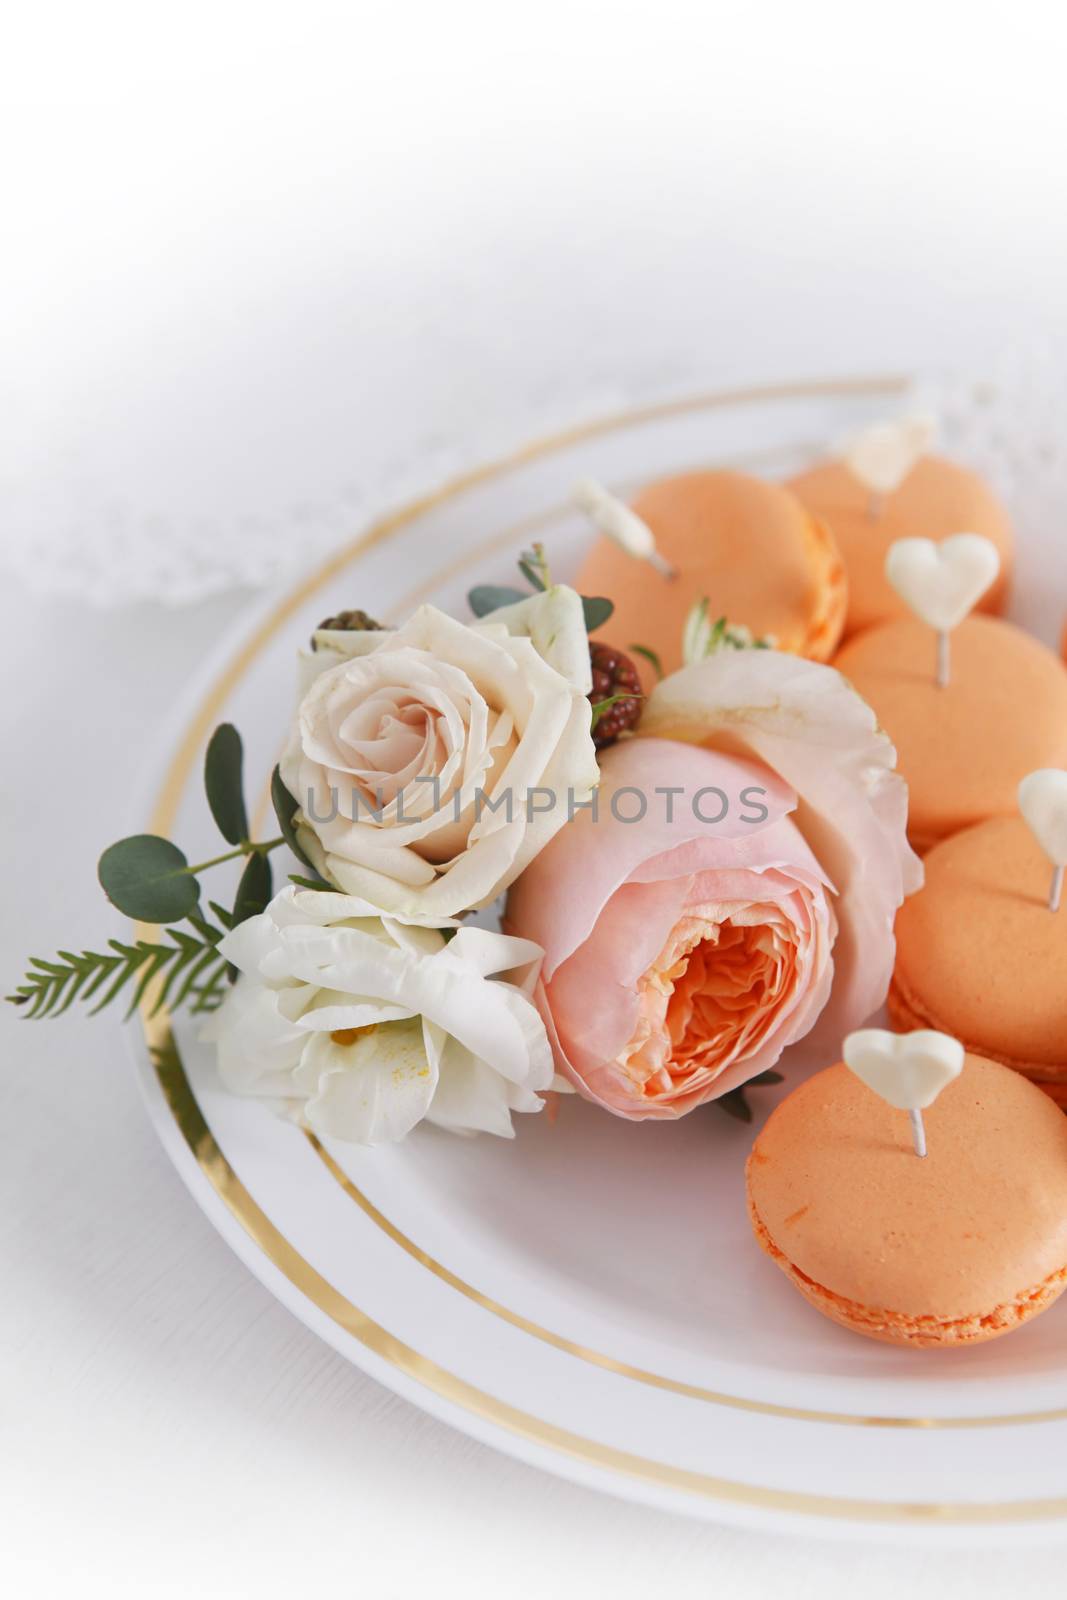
x: 918, y: 1132
x: 944, y: 658
x: 1043, y: 803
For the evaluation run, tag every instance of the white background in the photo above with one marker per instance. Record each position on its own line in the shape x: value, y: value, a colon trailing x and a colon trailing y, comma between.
x: 258, y: 265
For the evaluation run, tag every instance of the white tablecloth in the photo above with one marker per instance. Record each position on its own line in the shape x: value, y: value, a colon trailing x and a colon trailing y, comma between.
x: 415, y: 244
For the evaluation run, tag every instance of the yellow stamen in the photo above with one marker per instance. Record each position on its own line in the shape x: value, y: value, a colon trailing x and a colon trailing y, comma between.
x: 350, y: 1035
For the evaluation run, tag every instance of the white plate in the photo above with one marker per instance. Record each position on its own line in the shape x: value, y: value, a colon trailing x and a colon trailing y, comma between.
x: 589, y: 1297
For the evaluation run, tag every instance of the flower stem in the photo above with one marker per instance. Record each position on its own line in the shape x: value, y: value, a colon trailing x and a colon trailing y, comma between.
x: 245, y: 848
x: 542, y: 563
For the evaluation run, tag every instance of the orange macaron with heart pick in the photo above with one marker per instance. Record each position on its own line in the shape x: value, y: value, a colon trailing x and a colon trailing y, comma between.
x: 980, y: 953
x: 964, y: 747
x: 972, y: 703
x: 934, y: 499
x: 941, y: 1251
x: 748, y: 547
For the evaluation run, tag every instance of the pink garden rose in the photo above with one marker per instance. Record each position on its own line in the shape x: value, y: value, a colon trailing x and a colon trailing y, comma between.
x: 681, y: 960
x: 681, y: 955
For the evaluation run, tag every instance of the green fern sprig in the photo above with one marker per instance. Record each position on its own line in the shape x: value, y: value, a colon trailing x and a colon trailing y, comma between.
x: 189, y: 965
x: 149, y: 878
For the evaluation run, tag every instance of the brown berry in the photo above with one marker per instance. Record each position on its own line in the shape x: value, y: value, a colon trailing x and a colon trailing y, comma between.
x: 348, y: 622
x: 614, y: 674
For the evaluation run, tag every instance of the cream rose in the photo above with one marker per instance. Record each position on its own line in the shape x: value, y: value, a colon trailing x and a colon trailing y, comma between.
x: 431, y: 764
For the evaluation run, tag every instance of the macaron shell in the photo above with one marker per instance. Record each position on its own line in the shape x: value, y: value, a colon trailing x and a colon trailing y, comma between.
x: 963, y: 749
x: 980, y: 955
x: 973, y: 1237
x: 1055, y: 1088
x: 747, y: 546
x: 919, y: 1332
x: 936, y: 499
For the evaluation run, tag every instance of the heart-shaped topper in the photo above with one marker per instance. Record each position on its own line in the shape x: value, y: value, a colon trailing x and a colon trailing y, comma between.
x: 1043, y: 803
x: 882, y: 456
x: 909, y: 1070
x: 941, y: 583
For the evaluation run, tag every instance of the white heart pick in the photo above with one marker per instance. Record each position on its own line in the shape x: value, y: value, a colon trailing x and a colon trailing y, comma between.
x: 1043, y: 803
x: 909, y: 1070
x: 882, y: 456
x: 941, y: 583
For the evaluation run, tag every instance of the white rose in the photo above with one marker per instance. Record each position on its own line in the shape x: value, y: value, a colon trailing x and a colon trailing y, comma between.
x: 366, y: 1025
x: 431, y: 764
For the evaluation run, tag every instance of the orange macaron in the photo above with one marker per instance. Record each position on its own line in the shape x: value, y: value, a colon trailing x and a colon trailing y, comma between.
x: 748, y: 547
x: 980, y: 955
x: 940, y: 1252
x: 963, y: 749
x: 936, y: 499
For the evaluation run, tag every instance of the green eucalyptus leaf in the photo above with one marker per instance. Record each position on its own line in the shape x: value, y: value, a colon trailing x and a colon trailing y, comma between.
x: 735, y: 1105
x: 254, y: 889
x: 735, y: 1101
x: 597, y: 611
x: 489, y: 597
x: 148, y: 878
x: 285, y: 809
x: 223, y: 781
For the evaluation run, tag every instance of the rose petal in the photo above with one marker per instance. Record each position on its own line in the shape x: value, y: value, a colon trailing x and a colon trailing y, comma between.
x: 370, y: 1091
x: 559, y: 897
x: 555, y: 623
x: 807, y: 723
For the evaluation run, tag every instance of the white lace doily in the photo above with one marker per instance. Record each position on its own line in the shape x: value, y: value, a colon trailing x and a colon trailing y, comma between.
x: 64, y: 530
